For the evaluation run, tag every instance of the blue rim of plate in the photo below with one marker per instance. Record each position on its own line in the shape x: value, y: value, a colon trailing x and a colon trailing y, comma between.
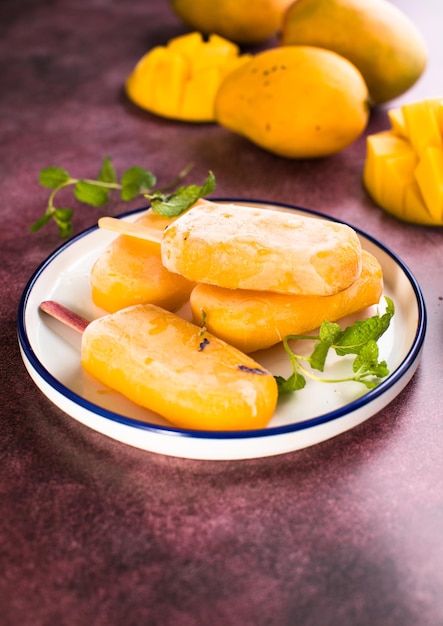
x: 364, y: 400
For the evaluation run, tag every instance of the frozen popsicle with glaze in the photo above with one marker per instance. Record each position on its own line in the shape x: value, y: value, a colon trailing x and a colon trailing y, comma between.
x: 168, y: 365
x: 130, y: 271
x: 243, y: 247
x: 252, y: 320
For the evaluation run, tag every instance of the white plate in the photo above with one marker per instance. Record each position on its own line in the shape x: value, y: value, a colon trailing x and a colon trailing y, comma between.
x: 320, y: 411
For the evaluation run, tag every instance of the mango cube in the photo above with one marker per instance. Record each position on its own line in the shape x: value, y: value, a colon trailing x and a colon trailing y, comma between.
x: 429, y: 176
x: 403, y: 170
x: 180, y: 80
x: 380, y: 148
x: 422, y: 125
x: 398, y: 123
x: 415, y: 209
x: 399, y: 172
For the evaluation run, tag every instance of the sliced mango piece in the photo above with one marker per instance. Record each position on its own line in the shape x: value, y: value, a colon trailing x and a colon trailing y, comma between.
x: 403, y: 170
x: 380, y: 148
x: 437, y: 106
x: 186, y: 45
x: 398, y: 122
x: 415, y: 209
x: 180, y: 80
x: 422, y: 125
x: 398, y: 173
x: 429, y: 176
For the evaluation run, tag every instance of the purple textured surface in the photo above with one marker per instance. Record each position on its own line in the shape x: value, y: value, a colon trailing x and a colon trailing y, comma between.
x: 348, y: 532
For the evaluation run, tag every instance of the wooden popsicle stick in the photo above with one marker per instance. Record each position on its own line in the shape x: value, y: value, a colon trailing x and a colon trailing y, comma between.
x: 64, y: 315
x: 134, y: 229
x: 129, y: 228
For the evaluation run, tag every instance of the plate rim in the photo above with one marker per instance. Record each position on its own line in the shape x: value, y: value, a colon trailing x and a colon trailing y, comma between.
x: 364, y: 400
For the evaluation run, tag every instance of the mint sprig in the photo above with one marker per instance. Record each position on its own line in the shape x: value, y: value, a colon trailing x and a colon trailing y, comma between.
x: 170, y: 200
x: 359, y: 339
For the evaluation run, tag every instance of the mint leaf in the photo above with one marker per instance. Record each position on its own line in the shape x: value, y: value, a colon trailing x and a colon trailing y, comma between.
x: 136, y: 181
x: 107, y: 172
x: 329, y: 333
x: 362, y: 331
x: 129, y: 192
x: 182, y: 199
x: 42, y: 221
x: 171, y: 206
x: 140, y: 177
x: 295, y: 382
x: 65, y: 229
x: 366, y: 364
x: 63, y: 215
x: 53, y: 177
x: 360, y: 339
x: 89, y: 193
x: 319, y: 355
x: 367, y: 358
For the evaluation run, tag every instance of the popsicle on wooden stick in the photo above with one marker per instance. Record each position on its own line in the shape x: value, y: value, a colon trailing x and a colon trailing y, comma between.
x: 243, y: 247
x: 252, y: 320
x: 170, y: 366
x: 130, y: 271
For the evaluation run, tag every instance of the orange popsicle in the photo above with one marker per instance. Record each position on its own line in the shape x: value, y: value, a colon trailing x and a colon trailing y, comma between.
x: 170, y: 366
x: 250, y: 320
x: 243, y: 247
x: 130, y: 271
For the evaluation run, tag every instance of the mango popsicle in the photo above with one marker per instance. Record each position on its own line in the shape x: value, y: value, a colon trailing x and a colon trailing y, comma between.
x: 250, y: 320
x: 168, y: 365
x: 130, y: 271
x: 242, y: 247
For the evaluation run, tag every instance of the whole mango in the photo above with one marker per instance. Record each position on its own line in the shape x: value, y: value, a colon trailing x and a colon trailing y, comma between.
x: 241, y: 21
x: 295, y: 101
x: 376, y: 36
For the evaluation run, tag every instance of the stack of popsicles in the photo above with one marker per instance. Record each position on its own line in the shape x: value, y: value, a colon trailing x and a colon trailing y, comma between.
x: 252, y: 276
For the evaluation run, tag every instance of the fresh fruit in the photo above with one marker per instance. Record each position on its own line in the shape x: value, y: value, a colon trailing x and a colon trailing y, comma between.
x: 180, y: 80
x: 376, y: 36
x: 242, y: 21
x: 403, y: 170
x: 295, y: 101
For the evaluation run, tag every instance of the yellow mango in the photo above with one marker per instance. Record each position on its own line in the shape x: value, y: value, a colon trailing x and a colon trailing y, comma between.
x: 170, y: 366
x: 398, y: 173
x: 380, y: 147
x: 398, y: 123
x: 251, y: 320
x: 429, y: 176
x: 241, y: 21
x: 436, y: 104
x: 415, y: 209
x: 376, y: 36
x: 208, y: 83
x: 422, y: 125
x: 180, y: 80
x: 295, y: 101
x: 403, y: 170
x: 130, y: 271
x: 187, y: 45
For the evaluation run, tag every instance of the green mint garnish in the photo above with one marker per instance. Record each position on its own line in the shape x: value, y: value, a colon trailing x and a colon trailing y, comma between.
x: 170, y: 200
x: 359, y: 339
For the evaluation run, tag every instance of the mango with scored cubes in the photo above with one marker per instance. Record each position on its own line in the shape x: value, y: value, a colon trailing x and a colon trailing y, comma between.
x: 403, y: 171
